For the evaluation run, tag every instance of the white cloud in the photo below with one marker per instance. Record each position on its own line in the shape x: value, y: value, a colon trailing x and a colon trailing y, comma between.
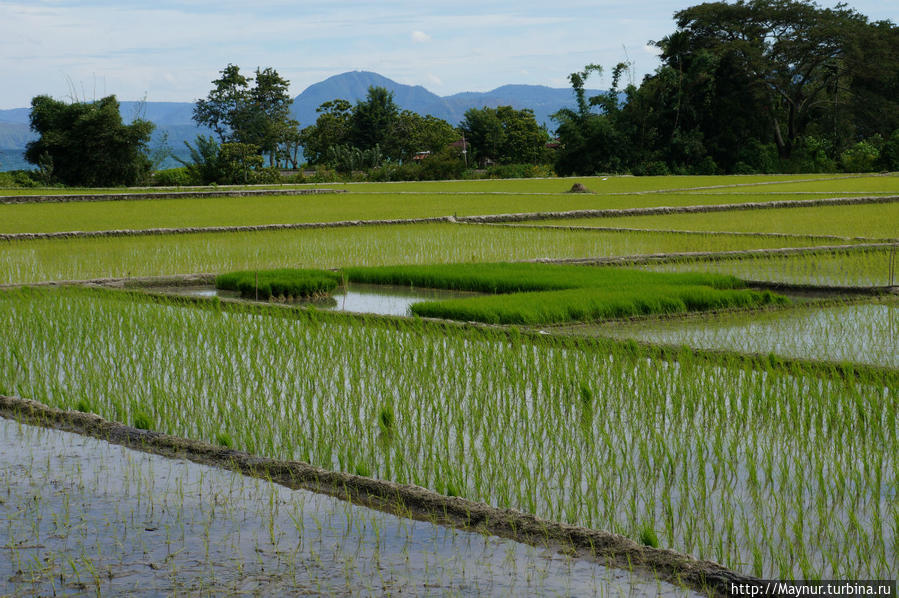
x: 173, y: 49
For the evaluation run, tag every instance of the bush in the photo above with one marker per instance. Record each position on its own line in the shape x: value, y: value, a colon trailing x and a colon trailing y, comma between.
x: 706, y: 166
x: 889, y: 153
x: 757, y: 157
x: 810, y: 155
x: 653, y: 168
x: 441, y: 167
x: 18, y: 178
x: 172, y: 177
x: 509, y: 171
x: 861, y: 157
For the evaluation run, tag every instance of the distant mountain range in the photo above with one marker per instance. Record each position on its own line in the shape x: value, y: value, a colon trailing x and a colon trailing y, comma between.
x: 174, y: 118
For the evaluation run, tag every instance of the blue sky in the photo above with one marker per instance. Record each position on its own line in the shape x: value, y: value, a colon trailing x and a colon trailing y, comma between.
x: 170, y: 51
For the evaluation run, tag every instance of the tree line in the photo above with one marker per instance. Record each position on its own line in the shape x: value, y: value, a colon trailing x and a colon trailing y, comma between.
x: 752, y: 86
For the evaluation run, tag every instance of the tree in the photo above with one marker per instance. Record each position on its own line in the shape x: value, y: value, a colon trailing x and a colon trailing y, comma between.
x: 257, y: 115
x: 373, y: 123
x: 331, y: 128
x: 504, y: 135
x: 793, y: 53
x: 228, y: 163
x: 224, y: 103
x: 373, y: 119
x: 413, y: 133
x: 748, y: 86
x: 264, y: 117
x: 87, y: 144
x: 590, y: 141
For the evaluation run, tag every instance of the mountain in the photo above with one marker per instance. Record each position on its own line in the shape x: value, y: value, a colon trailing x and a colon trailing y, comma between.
x: 174, y: 118
x: 353, y: 86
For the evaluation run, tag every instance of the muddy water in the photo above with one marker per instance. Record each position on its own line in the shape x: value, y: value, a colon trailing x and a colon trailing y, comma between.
x: 81, y: 516
x: 379, y: 299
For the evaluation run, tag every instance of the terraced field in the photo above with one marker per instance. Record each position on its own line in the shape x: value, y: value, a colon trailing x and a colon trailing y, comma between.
x: 761, y: 435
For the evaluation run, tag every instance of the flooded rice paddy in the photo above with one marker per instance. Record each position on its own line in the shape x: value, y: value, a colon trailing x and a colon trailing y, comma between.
x: 386, y: 300
x: 82, y: 516
x: 800, y: 482
x: 859, y: 333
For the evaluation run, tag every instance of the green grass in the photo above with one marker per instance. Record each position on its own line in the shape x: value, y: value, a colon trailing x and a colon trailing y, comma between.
x: 775, y: 472
x: 249, y: 211
x: 615, y: 184
x: 577, y: 305
x: 284, y: 282
x: 76, y: 259
x: 868, y: 220
x: 533, y: 294
x: 523, y: 277
x: 873, y: 183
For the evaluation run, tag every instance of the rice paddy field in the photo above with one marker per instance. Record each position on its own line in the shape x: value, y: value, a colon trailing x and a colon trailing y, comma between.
x: 760, y: 433
x: 878, y: 221
x: 100, y: 518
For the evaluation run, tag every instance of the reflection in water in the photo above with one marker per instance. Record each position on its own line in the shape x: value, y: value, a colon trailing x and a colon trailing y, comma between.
x: 379, y: 299
x: 860, y: 333
x: 79, y: 510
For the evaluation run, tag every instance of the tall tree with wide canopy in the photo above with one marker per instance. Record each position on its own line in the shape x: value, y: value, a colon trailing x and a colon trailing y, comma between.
x: 793, y: 53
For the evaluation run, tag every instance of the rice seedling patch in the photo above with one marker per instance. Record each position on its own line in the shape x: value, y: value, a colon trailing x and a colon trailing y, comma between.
x: 290, y: 283
x: 536, y: 294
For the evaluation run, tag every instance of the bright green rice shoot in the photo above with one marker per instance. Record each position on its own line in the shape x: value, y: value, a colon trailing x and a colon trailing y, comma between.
x: 284, y: 282
x: 545, y: 293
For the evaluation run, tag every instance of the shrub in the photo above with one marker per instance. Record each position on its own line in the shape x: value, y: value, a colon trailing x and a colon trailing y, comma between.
x: 172, y: 177
x: 653, y: 168
x: 861, y: 157
x: 19, y: 178
x: 889, y: 153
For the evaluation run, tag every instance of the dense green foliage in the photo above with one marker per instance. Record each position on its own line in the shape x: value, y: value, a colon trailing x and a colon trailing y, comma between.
x: 225, y: 164
x: 87, y: 144
x: 504, y: 135
x: 284, y: 282
x: 374, y: 131
x: 547, y: 294
x: 256, y: 117
x: 749, y: 86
